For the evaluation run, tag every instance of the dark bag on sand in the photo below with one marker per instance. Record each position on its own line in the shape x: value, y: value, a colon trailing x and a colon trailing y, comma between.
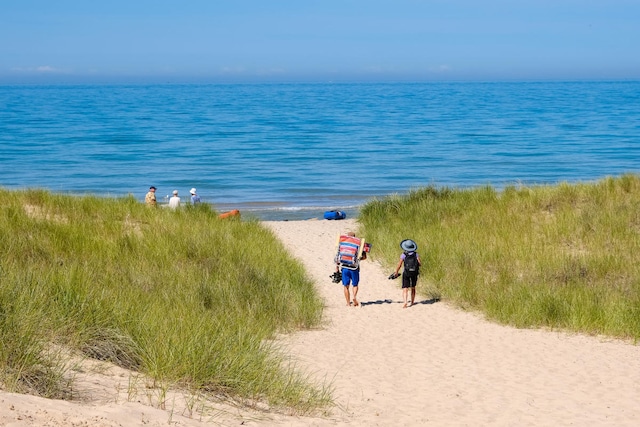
x: 411, y: 266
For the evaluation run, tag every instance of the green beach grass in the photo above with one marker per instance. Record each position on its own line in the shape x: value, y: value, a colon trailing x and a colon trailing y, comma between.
x: 182, y: 296
x: 195, y: 302
x: 563, y: 256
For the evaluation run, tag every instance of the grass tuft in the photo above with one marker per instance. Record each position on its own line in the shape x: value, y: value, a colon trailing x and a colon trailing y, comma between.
x: 182, y: 296
x: 563, y: 256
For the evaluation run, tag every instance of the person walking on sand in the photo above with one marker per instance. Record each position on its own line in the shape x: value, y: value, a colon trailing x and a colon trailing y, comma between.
x: 174, y: 201
x: 411, y: 261
x: 195, y: 199
x: 350, y: 270
x: 150, y: 198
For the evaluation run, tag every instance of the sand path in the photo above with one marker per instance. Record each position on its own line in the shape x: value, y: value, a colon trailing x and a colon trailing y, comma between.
x: 431, y: 364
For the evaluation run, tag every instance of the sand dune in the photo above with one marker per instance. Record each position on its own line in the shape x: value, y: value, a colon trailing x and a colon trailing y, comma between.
x: 429, y: 364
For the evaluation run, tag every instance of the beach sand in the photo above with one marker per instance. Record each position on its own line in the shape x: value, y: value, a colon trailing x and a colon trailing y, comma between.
x: 430, y: 364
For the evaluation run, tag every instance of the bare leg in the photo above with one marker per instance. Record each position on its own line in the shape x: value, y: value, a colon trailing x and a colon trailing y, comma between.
x: 355, y: 292
x: 346, y: 295
x: 405, y: 294
x: 413, y: 295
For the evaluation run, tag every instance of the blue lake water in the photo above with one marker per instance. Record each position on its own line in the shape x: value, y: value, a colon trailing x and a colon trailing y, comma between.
x: 292, y: 151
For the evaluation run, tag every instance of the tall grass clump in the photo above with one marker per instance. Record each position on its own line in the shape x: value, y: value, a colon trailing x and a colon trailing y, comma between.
x: 182, y: 296
x: 563, y: 256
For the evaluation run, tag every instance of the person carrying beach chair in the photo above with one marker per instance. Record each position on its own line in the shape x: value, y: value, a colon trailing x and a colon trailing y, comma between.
x: 351, y: 250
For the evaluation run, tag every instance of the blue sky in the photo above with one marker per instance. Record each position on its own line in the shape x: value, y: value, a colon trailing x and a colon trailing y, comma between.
x: 317, y: 40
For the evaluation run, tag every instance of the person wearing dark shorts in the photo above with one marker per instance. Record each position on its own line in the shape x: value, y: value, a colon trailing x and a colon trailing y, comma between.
x: 411, y: 261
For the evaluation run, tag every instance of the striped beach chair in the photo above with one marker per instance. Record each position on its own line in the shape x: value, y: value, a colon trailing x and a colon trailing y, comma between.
x: 349, y: 251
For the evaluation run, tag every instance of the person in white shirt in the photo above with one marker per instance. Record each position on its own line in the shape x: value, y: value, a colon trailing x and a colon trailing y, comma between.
x: 174, y: 201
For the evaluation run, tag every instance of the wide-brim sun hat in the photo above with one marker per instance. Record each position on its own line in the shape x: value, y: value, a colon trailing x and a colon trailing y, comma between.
x: 192, y: 191
x: 408, y: 245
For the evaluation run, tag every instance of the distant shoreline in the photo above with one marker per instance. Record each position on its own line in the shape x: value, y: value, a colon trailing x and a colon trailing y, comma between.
x: 280, y: 214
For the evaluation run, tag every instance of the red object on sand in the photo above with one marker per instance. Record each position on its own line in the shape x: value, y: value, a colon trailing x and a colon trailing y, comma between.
x: 230, y: 214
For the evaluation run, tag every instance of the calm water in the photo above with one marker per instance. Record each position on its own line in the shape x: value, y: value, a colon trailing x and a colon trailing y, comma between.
x: 292, y: 151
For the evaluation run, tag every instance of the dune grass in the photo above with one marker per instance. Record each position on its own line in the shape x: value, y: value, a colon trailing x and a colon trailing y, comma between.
x: 182, y: 296
x: 563, y: 256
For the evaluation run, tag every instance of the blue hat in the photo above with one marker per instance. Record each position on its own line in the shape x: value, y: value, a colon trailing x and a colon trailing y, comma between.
x: 408, y: 245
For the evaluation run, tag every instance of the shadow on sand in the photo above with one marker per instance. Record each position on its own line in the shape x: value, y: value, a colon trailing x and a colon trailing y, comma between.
x: 388, y: 301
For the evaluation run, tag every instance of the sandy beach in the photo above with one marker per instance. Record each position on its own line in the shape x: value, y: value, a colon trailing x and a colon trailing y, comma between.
x: 430, y: 364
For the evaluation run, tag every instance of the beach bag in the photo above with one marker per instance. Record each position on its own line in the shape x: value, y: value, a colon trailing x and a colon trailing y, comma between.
x: 349, y: 251
x: 334, y: 215
x: 411, y: 266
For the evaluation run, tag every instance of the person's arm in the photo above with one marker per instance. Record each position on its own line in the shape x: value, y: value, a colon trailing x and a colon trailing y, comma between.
x: 398, y: 267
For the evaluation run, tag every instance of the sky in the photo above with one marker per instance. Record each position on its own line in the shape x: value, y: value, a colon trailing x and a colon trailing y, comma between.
x: 226, y: 41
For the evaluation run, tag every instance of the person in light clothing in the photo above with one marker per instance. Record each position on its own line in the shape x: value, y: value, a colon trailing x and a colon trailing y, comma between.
x: 195, y: 199
x: 174, y: 201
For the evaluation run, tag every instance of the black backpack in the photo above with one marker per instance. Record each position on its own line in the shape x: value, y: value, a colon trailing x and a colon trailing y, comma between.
x: 411, y: 266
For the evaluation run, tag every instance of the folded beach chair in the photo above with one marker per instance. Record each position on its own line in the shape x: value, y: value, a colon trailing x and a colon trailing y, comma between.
x: 349, y: 251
